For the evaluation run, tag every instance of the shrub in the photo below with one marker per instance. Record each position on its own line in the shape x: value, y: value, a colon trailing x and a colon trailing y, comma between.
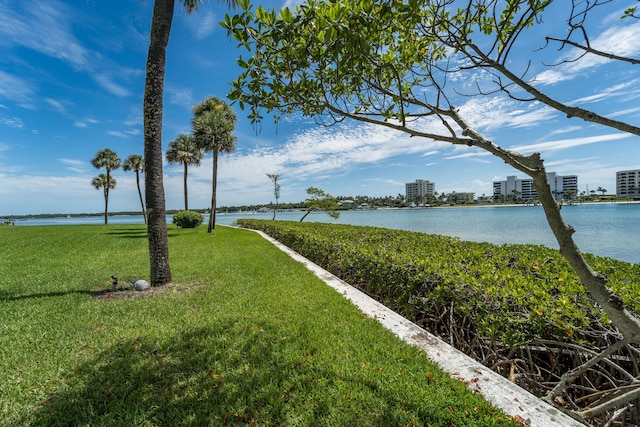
x: 508, y: 293
x: 188, y: 219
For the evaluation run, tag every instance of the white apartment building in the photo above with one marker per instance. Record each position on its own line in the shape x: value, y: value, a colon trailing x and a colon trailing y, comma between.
x: 628, y: 184
x: 462, y: 197
x: 561, y: 187
x: 419, y: 191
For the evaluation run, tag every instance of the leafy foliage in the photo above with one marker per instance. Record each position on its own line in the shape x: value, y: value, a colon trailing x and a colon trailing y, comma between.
x: 320, y: 200
x: 513, y: 293
x: 188, y: 219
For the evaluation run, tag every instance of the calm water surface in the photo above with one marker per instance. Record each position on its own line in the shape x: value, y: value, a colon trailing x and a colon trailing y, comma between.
x: 611, y: 230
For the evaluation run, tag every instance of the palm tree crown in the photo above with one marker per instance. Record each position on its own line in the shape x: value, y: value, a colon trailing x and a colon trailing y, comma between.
x: 184, y: 150
x: 101, y: 181
x: 106, y: 158
x: 213, y: 124
x: 134, y: 163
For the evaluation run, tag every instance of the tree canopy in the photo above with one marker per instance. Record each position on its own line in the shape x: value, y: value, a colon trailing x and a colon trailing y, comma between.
x: 320, y: 200
x: 406, y: 65
x: 213, y: 125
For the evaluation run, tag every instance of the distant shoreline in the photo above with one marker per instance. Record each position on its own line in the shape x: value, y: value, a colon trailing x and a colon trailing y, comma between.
x: 4, y: 218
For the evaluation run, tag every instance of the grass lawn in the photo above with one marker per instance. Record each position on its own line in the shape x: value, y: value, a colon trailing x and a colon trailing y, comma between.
x: 246, y: 337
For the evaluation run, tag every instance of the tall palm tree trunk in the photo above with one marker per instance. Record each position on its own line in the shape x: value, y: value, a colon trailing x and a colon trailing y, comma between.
x: 214, y: 184
x: 144, y: 213
x: 106, y: 202
x: 106, y: 198
x: 154, y: 186
x: 186, y: 192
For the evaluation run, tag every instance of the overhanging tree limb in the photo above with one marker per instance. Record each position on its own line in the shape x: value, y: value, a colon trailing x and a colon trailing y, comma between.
x: 391, y: 64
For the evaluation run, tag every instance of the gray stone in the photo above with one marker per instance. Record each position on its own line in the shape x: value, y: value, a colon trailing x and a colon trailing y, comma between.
x: 140, y: 285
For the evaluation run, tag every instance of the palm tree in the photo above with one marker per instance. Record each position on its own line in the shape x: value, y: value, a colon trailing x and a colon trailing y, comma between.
x: 105, y: 182
x: 184, y: 150
x: 135, y: 163
x: 602, y: 190
x: 109, y: 160
x: 274, y: 177
x: 153, y: 92
x: 213, y: 125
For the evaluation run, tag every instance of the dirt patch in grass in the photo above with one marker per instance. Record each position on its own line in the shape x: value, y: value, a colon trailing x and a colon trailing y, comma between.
x: 130, y: 293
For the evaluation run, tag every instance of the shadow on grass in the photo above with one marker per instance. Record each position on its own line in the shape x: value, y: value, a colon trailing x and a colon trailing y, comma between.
x: 139, y: 233
x: 227, y: 374
x: 10, y: 296
x: 136, y: 233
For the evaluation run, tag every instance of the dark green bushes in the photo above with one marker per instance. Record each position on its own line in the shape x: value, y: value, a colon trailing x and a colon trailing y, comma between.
x: 509, y: 293
x: 188, y: 219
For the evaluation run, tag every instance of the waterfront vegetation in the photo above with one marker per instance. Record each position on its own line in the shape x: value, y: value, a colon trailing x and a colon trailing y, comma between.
x: 520, y: 309
x: 243, y: 336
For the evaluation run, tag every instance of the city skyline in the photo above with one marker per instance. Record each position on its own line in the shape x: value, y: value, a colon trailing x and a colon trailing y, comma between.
x: 72, y: 79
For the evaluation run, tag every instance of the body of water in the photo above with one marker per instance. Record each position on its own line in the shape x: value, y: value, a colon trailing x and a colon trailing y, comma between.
x: 605, y: 229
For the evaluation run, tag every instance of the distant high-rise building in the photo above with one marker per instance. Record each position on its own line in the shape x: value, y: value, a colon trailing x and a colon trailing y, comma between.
x: 522, y: 189
x: 419, y: 191
x: 628, y: 184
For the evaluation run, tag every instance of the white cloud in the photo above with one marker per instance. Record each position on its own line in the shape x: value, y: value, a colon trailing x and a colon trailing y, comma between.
x: 107, y: 83
x: 13, y: 122
x: 314, y: 155
x: 609, y: 92
x: 206, y: 23
x: 135, y: 116
x: 568, y: 143
x: 78, y: 166
x: 620, y: 39
x: 66, y: 193
x: 624, y: 112
x: 15, y: 88
x: 118, y: 134
x: 85, y: 123
x: 56, y: 105
x: 47, y: 27
x: 44, y: 26
x: 551, y: 77
x: 291, y: 4
x: 180, y: 96
x: 473, y: 154
x: 491, y: 113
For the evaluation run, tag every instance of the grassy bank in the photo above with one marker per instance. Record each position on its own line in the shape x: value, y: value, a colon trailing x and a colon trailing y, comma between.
x: 246, y: 336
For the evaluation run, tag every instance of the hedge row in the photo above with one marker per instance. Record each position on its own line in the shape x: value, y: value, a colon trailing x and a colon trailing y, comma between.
x: 513, y: 293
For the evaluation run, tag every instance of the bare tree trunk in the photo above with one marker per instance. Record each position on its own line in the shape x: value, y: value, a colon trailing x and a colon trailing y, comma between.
x: 186, y: 191
x: 214, y: 185
x: 594, y: 283
x: 305, y: 214
x: 106, y: 198
x: 106, y: 203
x: 154, y: 186
x: 144, y: 213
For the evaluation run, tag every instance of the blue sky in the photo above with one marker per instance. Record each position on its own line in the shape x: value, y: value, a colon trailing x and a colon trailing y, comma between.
x: 71, y: 83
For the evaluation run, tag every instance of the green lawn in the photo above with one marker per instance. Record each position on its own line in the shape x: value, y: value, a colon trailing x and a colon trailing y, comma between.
x: 257, y: 340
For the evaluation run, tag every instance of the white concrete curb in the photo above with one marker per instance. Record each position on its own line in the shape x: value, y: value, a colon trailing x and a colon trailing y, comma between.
x: 498, y: 390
